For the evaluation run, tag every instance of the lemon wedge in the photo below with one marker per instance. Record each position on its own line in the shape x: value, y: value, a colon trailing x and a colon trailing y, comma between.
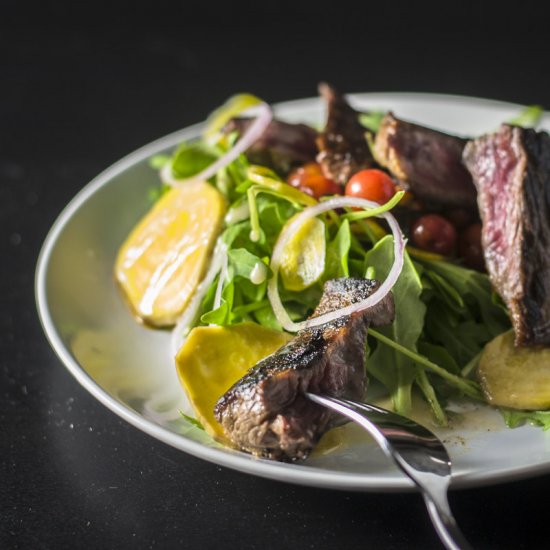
x: 164, y: 257
x: 212, y: 359
x: 303, y: 259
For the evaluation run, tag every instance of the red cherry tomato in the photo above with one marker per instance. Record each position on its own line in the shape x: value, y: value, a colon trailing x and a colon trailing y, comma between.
x: 373, y: 185
x: 470, y: 248
x: 434, y: 233
x: 311, y: 180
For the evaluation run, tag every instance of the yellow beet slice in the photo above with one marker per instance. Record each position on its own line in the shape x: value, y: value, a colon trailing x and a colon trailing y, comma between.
x: 303, y: 260
x: 515, y: 377
x: 164, y: 257
x: 212, y: 359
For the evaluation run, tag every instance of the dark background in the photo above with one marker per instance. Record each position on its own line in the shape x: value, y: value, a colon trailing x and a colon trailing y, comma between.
x: 81, y: 87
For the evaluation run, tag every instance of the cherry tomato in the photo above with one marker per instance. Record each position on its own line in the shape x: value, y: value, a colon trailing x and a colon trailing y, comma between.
x: 311, y: 180
x: 434, y: 233
x: 373, y: 185
x: 470, y: 248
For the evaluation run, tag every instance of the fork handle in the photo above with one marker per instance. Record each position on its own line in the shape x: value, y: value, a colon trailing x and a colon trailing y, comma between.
x: 445, y: 525
x: 434, y: 493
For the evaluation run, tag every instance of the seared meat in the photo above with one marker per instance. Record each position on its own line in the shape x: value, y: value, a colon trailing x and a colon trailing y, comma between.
x: 282, y: 146
x: 425, y: 161
x: 343, y: 149
x: 265, y: 413
x: 511, y: 170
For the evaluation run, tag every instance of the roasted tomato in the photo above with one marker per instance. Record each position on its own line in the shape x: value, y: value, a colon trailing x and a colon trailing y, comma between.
x: 311, y: 180
x: 434, y: 233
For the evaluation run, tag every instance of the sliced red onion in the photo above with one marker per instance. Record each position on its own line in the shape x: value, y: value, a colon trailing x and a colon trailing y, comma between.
x: 249, y: 137
x: 291, y: 228
x: 189, y: 316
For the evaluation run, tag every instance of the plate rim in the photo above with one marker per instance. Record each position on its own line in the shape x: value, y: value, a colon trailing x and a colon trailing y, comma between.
x: 291, y: 473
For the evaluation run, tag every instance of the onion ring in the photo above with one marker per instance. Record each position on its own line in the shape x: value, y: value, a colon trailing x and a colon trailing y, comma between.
x: 289, y: 230
x: 249, y: 137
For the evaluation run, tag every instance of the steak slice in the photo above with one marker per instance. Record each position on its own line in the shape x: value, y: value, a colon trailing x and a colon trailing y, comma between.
x: 343, y: 148
x: 425, y: 161
x: 265, y: 413
x: 511, y: 170
x: 282, y: 146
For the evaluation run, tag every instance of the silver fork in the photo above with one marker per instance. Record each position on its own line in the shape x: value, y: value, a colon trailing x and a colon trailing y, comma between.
x: 416, y: 450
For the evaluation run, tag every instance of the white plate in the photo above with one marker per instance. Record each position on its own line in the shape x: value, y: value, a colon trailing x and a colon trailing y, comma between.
x: 129, y: 369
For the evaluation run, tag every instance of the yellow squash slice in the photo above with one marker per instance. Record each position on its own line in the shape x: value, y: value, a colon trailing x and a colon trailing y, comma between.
x: 212, y: 359
x: 515, y: 377
x: 164, y: 258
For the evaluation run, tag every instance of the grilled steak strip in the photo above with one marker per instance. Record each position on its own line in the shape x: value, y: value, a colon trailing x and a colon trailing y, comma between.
x: 425, y: 161
x: 343, y: 149
x: 266, y: 414
x: 282, y: 146
x: 511, y: 170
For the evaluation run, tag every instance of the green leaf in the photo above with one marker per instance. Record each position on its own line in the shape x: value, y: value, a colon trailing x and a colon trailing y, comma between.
x: 244, y: 263
x: 439, y: 355
x: 375, y: 211
x: 462, y: 339
x: 529, y: 117
x: 336, y: 261
x: 477, y: 287
x: 395, y: 370
x: 158, y: 161
x: 372, y: 119
x: 515, y: 418
x: 468, y: 387
x: 429, y: 393
x: 193, y: 421
x: 446, y: 291
x: 357, y: 268
x: 221, y: 315
x: 191, y: 158
x: 273, y: 213
x: 266, y: 317
x: 237, y: 234
x: 250, y: 291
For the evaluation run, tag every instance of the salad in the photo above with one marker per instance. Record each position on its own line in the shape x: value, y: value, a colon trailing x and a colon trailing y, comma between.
x: 254, y: 219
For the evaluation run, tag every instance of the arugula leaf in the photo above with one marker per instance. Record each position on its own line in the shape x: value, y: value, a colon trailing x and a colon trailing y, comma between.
x: 244, y: 263
x: 221, y: 316
x: 238, y: 232
x: 395, y: 370
x: 468, y: 387
x: 372, y: 119
x: 477, y: 287
x: 515, y: 418
x: 337, y: 251
x: 193, y: 421
x: 158, y: 161
x: 462, y: 339
x: 439, y: 355
x: 191, y: 158
x: 429, y: 393
x: 529, y: 117
x: 446, y: 291
x: 266, y: 317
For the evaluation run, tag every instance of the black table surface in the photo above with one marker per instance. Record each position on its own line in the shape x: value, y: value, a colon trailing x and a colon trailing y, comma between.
x: 82, y: 87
